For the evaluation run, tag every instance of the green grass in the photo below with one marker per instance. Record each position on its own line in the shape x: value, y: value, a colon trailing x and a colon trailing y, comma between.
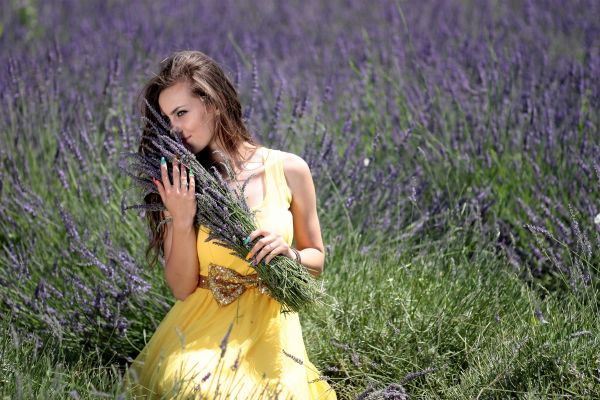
x: 462, y: 314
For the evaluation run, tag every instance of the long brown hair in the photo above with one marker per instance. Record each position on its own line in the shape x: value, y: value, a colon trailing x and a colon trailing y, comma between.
x: 207, y: 80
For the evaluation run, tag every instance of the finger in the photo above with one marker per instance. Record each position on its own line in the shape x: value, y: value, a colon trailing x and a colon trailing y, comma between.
x: 176, y: 183
x: 258, y: 245
x: 265, y: 250
x: 164, y: 172
x: 159, y: 187
x: 192, y: 182
x: 184, y: 180
x: 277, y: 250
x: 258, y: 232
x: 249, y: 239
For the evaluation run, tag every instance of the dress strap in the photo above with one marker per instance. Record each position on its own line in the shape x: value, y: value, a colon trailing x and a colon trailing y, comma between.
x: 278, y: 176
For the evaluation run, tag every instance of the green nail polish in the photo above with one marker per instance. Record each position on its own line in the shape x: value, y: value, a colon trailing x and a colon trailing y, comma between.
x: 191, y: 173
x: 163, y: 161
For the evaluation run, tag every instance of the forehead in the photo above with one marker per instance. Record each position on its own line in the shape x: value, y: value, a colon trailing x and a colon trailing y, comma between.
x: 174, y: 96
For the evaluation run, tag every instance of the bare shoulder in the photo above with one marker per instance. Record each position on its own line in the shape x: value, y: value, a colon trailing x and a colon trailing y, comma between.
x: 297, y: 173
x: 294, y: 163
x: 295, y: 168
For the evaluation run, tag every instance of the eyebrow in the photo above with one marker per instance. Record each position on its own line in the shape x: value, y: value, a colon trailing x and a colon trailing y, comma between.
x: 175, y: 109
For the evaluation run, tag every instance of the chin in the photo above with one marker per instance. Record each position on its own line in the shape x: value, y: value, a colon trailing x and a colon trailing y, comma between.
x: 189, y: 147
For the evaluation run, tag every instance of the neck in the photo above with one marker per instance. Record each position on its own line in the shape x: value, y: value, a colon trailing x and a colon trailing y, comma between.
x: 249, y: 158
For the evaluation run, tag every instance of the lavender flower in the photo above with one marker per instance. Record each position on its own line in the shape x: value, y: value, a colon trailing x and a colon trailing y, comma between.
x: 224, y: 212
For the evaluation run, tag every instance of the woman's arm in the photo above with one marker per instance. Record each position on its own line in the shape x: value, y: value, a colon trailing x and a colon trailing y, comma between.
x: 307, y: 230
x: 181, y: 257
x: 182, y: 265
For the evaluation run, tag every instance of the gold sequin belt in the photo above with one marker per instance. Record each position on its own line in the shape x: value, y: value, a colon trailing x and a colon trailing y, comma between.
x: 227, y: 285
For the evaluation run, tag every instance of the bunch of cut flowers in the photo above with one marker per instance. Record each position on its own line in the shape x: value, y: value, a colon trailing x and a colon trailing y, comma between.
x: 220, y: 208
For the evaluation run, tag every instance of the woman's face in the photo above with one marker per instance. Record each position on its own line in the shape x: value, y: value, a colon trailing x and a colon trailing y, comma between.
x: 188, y: 114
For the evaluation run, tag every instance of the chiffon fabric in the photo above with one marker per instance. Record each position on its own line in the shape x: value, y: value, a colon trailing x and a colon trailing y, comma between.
x: 245, y: 350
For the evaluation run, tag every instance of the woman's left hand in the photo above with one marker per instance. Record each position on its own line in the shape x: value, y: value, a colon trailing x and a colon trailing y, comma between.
x: 270, y: 245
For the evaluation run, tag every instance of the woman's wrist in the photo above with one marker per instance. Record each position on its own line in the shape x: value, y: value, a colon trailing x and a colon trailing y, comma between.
x: 297, y: 257
x: 183, y: 225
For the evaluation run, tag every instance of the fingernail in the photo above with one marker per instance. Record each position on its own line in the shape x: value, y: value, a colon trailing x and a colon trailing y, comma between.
x: 249, y: 256
x: 191, y: 173
x: 247, y: 239
x: 253, y: 263
x: 163, y: 161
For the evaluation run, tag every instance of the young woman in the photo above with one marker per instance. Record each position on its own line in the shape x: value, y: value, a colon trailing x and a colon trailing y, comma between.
x: 246, y: 349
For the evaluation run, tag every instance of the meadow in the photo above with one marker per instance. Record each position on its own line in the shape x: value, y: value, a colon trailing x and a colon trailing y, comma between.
x: 454, y: 147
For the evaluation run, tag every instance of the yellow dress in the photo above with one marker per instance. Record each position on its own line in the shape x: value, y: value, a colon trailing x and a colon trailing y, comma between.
x: 245, y: 350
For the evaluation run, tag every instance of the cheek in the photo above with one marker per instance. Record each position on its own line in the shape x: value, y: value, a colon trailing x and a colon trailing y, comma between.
x: 199, y: 121
x: 206, y: 126
x: 212, y: 123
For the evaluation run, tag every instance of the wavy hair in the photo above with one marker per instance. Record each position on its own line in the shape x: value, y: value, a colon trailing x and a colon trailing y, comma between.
x: 209, y: 82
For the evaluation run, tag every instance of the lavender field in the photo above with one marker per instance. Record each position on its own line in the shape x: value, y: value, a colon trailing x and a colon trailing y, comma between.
x: 455, y: 150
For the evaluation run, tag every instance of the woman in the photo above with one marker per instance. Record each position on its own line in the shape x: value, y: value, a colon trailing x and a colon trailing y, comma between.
x: 246, y: 349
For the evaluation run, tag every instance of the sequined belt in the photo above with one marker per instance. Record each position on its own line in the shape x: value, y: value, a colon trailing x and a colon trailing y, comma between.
x: 227, y: 285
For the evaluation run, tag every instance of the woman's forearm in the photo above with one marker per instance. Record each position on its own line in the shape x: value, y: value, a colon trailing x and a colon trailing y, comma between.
x: 182, y: 267
x: 313, y: 260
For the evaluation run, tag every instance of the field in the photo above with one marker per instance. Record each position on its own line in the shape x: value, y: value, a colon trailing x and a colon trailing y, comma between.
x: 455, y: 150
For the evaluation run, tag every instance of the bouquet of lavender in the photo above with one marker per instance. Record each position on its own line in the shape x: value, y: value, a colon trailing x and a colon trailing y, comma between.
x: 221, y: 209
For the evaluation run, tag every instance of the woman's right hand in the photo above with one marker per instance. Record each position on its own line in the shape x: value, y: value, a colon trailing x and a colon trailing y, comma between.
x: 178, y: 198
